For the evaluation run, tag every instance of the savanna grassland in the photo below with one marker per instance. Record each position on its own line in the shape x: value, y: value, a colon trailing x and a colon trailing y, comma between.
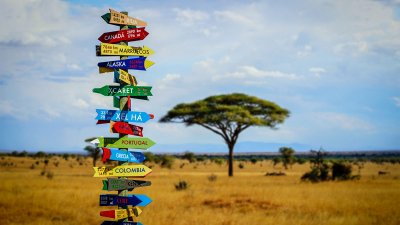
x: 68, y: 194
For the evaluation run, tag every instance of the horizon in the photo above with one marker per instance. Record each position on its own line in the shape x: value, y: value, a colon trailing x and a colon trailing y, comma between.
x: 333, y: 65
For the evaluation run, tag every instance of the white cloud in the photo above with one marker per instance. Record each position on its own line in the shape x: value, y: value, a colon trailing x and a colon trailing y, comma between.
x: 344, y: 121
x: 251, y: 72
x: 317, y: 71
x: 189, y: 17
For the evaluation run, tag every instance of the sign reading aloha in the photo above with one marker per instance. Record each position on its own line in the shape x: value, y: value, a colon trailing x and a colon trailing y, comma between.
x: 134, y: 34
x: 125, y: 77
x: 132, y: 63
x: 127, y: 116
x: 126, y: 128
x: 123, y: 170
x: 124, y: 142
x: 117, y: 18
x: 122, y: 155
x: 122, y: 50
x: 113, y: 184
x: 127, y: 90
x: 132, y: 200
x: 120, y: 223
x: 120, y: 214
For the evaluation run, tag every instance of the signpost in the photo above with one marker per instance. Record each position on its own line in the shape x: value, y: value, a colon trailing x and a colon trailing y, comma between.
x: 126, y: 128
x: 127, y: 116
x: 124, y: 142
x: 134, y: 34
x: 124, y: 156
x: 122, y: 171
x: 116, y: 50
x: 125, y: 77
x: 127, y: 90
x: 131, y: 200
x: 113, y: 184
x: 139, y: 63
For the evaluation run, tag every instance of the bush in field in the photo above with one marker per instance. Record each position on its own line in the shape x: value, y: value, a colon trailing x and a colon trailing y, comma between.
x: 167, y: 161
x: 218, y: 161
x: 341, y: 171
x: 253, y: 160
x: 276, y: 161
x: 287, y: 156
x: 319, y: 168
x: 190, y: 156
x: 241, y: 165
x: 212, y: 177
x: 181, y: 185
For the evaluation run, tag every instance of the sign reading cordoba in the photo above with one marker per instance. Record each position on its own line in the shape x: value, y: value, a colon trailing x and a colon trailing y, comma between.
x: 127, y: 90
x: 122, y: 171
x: 114, y: 184
x: 132, y: 63
x: 122, y: 50
x: 122, y: 155
x: 134, y: 34
x: 124, y: 142
x: 127, y: 116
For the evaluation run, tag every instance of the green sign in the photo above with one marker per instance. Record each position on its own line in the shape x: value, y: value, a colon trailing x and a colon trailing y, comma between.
x: 124, y: 142
x: 127, y: 90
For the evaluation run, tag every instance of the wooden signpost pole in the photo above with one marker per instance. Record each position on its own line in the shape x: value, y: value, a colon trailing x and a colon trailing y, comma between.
x: 123, y: 105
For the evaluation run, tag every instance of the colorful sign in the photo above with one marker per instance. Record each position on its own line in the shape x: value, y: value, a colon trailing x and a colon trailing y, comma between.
x: 126, y: 128
x: 124, y: 76
x: 124, y: 142
x: 122, y: 50
x: 132, y: 200
x: 120, y: 223
x: 118, y: 18
x: 120, y: 214
x: 122, y: 155
x: 122, y: 171
x: 127, y: 116
x: 134, y: 34
x: 113, y: 184
x: 127, y: 90
x: 139, y: 63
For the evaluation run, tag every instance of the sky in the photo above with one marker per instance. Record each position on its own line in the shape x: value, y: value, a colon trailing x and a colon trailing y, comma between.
x: 335, y: 65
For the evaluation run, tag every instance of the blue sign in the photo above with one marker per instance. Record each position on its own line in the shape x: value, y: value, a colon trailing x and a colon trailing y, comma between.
x: 133, y: 200
x: 118, y: 115
x: 121, y: 155
x: 125, y: 64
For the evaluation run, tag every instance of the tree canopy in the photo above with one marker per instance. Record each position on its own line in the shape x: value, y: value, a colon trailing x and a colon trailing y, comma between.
x: 228, y: 115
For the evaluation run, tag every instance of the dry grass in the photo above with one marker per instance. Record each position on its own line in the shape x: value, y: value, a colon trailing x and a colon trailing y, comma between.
x: 71, y: 195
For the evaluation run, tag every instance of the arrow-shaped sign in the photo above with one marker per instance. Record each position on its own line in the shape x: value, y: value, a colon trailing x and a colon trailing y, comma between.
x: 122, y: 171
x: 122, y: 50
x: 126, y: 128
x: 127, y: 90
x: 122, y: 155
x: 127, y: 116
x: 132, y: 200
x: 120, y: 223
x: 113, y: 184
x: 132, y: 63
x: 134, y: 34
x: 124, y: 142
x: 120, y: 214
x: 122, y: 75
x: 117, y: 18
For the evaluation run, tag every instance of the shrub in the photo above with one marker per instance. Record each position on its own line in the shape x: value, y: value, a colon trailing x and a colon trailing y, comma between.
x: 181, y: 185
x: 212, y: 177
x: 241, y: 166
x: 50, y: 175
x: 167, y: 161
x: 341, y: 171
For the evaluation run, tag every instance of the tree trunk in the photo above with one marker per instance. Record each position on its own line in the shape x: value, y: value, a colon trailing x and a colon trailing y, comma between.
x: 230, y: 159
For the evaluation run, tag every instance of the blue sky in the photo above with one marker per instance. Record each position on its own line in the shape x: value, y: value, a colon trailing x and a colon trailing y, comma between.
x: 334, y: 64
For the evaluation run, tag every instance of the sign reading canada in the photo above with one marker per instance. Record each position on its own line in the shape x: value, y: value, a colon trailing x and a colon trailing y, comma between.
x: 127, y: 116
x: 134, y: 34
x: 114, y: 184
x: 122, y: 171
x: 122, y: 50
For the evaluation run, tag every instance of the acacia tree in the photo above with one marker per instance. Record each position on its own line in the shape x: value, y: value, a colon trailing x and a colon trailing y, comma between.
x: 94, y: 152
x: 228, y: 115
x: 287, y: 156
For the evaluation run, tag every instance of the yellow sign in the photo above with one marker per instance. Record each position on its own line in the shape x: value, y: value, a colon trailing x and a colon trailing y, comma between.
x: 125, y: 213
x: 124, y: 50
x: 127, y: 78
x: 122, y: 171
x: 122, y: 19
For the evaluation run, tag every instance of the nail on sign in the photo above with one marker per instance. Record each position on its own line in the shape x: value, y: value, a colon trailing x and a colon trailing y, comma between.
x: 122, y: 50
x: 131, y: 63
x: 114, y: 184
x: 122, y: 171
x: 122, y: 155
x: 127, y: 116
x: 132, y: 200
x: 127, y: 90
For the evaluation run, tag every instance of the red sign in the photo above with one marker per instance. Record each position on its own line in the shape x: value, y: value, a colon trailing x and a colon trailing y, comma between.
x: 134, y: 34
x: 126, y: 128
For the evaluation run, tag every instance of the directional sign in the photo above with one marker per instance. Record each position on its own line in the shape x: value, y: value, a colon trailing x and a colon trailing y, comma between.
x: 132, y: 200
x: 126, y: 128
x: 127, y: 116
x: 113, y: 184
x: 131, y: 63
x: 122, y: 171
x: 122, y: 155
x: 122, y: 50
x: 118, y: 18
x: 127, y: 90
x: 124, y: 76
x: 134, y: 34
x: 120, y: 223
x: 120, y: 214
x: 124, y: 142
